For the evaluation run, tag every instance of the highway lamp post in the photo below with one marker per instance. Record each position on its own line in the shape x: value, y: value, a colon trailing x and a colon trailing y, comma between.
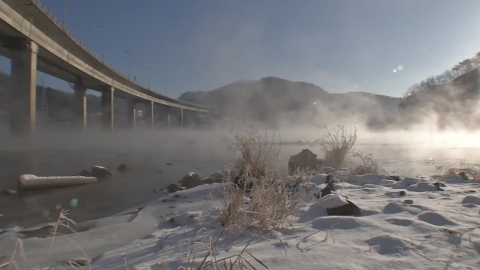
x: 148, y: 74
x: 129, y: 63
x: 166, y: 85
x: 104, y: 41
x: 65, y: 14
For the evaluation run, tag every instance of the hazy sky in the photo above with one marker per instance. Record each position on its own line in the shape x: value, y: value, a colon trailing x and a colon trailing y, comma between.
x: 339, y: 45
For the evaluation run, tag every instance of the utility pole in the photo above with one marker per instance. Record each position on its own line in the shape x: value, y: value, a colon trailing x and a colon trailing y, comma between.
x: 166, y: 83
x: 104, y: 39
x: 148, y: 74
x: 65, y: 14
x: 129, y: 62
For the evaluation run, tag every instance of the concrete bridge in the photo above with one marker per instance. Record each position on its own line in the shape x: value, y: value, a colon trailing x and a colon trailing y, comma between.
x: 33, y: 39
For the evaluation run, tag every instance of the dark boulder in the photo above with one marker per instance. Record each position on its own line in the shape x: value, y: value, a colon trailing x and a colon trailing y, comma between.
x: 408, y: 201
x: 101, y: 172
x: 174, y: 187
x: 394, y: 178
x: 208, y: 180
x: 329, y: 182
x: 463, y: 175
x: 349, y: 209
x: 306, y: 160
x: 327, y: 190
x: 191, y: 180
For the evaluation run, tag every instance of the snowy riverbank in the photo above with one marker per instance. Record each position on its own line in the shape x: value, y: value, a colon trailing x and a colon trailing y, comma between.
x: 437, y: 231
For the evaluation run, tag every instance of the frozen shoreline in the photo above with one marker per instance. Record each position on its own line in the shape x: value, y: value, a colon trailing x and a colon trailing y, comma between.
x: 438, y: 229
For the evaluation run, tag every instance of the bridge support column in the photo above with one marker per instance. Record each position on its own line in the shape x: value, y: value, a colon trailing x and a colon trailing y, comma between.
x: 181, y: 117
x: 80, y: 105
x: 168, y: 120
x: 108, y: 108
x: 24, y: 87
x: 131, y: 113
x: 149, y: 114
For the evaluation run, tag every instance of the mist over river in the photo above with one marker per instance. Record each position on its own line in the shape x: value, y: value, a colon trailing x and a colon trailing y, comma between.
x: 200, y: 151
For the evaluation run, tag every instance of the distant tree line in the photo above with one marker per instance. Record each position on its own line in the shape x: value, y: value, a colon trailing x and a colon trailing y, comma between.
x: 447, y: 76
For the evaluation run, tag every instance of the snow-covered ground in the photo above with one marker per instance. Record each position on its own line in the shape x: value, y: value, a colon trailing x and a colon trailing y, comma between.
x: 439, y: 230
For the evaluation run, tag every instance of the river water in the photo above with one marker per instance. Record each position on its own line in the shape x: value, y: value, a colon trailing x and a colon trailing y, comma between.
x: 147, y: 153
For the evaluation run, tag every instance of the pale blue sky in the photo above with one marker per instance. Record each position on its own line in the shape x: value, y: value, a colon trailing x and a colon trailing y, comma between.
x: 341, y: 45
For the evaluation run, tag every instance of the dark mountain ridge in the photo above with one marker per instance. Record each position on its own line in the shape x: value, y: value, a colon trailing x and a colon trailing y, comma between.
x: 274, y: 100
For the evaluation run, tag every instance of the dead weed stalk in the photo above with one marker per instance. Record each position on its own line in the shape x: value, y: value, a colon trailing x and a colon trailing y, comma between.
x: 337, y: 144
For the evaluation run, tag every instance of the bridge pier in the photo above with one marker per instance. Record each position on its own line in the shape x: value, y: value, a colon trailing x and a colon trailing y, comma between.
x: 149, y: 114
x: 24, y: 87
x: 181, y: 117
x: 108, y: 108
x: 131, y: 113
x: 80, y: 105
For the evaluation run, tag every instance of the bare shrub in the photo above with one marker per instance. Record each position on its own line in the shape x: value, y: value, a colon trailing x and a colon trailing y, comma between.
x: 337, y: 145
x: 361, y: 164
x: 266, y: 206
x: 262, y: 200
x: 258, y: 152
x: 465, y: 170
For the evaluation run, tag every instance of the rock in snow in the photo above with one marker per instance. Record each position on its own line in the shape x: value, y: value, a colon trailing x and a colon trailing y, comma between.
x: 101, y: 172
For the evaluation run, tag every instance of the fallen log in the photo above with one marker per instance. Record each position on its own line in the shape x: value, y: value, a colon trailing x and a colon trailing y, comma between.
x: 30, y: 181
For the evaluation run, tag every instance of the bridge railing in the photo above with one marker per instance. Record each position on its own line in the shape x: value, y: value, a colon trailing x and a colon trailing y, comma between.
x: 45, y: 11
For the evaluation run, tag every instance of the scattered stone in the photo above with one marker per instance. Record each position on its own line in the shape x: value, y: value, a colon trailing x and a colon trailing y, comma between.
x: 176, y: 196
x: 327, y: 190
x: 174, y: 187
x: 84, y: 173
x: 217, y: 177
x: 402, y: 193
x: 305, y: 160
x: 439, y: 186
x: 207, y: 180
x: 408, y: 201
x: 169, y: 164
x: 394, y: 178
x: 157, y: 190
x: 349, y: 209
x: 101, y: 172
x: 123, y: 168
x: 472, y: 191
x: 329, y: 182
x: 463, y: 175
x: 9, y: 192
x: 191, y: 180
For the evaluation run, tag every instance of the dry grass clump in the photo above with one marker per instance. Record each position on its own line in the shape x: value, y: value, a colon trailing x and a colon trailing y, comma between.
x: 17, y: 250
x: 337, y: 145
x: 266, y: 206
x: 258, y: 196
x: 257, y: 153
x: 465, y: 170
x: 361, y: 164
